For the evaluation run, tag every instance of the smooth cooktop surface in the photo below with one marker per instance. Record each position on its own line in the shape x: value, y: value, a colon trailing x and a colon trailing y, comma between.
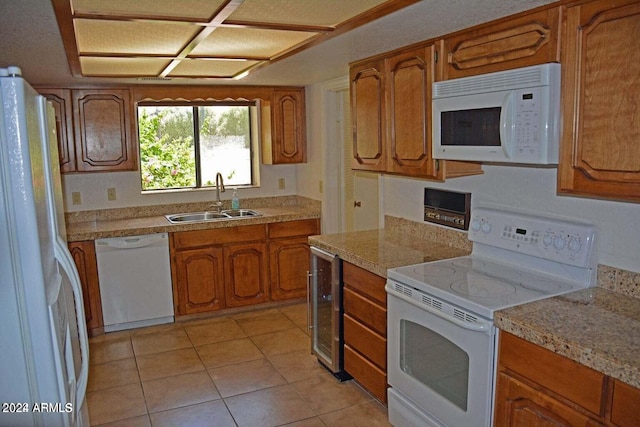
x: 480, y: 285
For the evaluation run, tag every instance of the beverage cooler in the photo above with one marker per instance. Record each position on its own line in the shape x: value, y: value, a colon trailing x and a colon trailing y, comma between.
x: 324, y: 299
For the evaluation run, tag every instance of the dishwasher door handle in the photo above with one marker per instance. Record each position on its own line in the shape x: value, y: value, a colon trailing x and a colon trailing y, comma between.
x: 132, y: 242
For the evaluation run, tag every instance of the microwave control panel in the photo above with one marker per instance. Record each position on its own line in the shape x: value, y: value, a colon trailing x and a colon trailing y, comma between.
x: 527, y: 122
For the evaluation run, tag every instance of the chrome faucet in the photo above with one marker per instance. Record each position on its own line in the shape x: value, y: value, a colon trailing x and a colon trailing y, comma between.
x: 219, y: 184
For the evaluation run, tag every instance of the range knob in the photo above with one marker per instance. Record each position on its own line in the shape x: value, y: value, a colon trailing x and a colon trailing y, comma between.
x: 547, y: 240
x: 575, y: 245
x: 475, y: 225
x: 486, y: 227
x: 559, y: 243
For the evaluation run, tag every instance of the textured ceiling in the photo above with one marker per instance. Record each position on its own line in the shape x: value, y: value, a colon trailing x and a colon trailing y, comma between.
x: 30, y: 39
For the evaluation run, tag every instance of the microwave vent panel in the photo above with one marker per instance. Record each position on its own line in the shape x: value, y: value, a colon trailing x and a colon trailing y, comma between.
x: 535, y: 76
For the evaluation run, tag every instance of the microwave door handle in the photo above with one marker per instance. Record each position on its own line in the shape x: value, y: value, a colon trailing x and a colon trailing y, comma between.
x: 506, y: 126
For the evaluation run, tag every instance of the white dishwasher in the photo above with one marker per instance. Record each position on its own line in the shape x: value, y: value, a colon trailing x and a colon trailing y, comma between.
x: 135, y: 281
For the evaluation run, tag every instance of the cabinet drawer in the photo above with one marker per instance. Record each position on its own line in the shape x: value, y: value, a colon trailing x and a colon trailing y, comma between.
x: 366, y: 311
x: 626, y: 405
x: 574, y: 381
x: 365, y: 282
x: 304, y: 227
x: 365, y: 341
x: 366, y: 373
x: 243, y: 233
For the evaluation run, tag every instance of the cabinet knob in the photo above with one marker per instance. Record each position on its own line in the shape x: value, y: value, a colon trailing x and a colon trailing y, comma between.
x: 357, y: 204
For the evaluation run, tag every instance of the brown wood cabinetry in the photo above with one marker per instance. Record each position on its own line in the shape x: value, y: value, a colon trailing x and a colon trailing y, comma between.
x: 84, y: 256
x: 95, y: 129
x: 104, y: 130
x: 537, y: 387
x: 368, y: 116
x: 520, y: 41
x: 62, y: 104
x: 391, y: 115
x: 198, y: 280
x: 217, y: 268
x: 284, y: 132
x: 289, y: 256
x: 600, y: 153
x: 239, y: 266
x: 365, y: 329
x: 246, y: 269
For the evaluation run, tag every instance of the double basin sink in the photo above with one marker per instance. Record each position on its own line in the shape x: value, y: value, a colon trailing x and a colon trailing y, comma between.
x: 183, y: 218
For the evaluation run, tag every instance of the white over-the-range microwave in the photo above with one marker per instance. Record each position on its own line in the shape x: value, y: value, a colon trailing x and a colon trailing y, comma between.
x: 504, y: 117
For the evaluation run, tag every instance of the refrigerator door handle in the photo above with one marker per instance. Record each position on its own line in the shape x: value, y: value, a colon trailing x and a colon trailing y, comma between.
x: 66, y: 261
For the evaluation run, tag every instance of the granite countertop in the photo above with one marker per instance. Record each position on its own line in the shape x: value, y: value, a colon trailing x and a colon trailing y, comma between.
x: 596, y: 327
x: 119, y: 227
x: 378, y: 250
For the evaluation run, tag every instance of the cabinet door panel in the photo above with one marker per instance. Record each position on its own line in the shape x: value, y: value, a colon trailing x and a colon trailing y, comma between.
x: 520, y: 405
x: 368, y: 116
x: 600, y: 154
x: 246, y: 276
x: 288, y: 126
x: 410, y: 79
x: 625, y: 411
x: 288, y: 261
x: 200, y: 280
x: 103, y: 130
x: 84, y: 256
x: 61, y: 101
x: 512, y: 43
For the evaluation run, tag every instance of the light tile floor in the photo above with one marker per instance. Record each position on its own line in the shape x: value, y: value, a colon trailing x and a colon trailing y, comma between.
x: 249, y: 369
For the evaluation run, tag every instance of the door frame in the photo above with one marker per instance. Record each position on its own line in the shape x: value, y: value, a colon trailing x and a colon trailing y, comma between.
x: 333, y: 207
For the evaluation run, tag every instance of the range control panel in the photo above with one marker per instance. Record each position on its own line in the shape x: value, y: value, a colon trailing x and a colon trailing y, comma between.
x: 553, y: 239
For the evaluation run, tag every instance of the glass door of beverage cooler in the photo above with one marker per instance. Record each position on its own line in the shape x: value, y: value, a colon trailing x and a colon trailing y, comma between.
x: 325, y: 309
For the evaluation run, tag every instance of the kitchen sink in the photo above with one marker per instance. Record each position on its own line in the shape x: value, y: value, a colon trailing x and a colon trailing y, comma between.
x: 234, y: 213
x: 182, y: 218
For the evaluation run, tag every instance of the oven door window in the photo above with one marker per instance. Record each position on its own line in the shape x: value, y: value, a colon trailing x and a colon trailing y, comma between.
x: 478, y: 127
x: 435, y: 361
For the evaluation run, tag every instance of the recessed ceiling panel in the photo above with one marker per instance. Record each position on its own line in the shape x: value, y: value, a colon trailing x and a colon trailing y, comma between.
x: 147, y: 67
x: 132, y: 37
x: 249, y: 42
x: 328, y: 13
x: 200, y: 10
x: 210, y: 68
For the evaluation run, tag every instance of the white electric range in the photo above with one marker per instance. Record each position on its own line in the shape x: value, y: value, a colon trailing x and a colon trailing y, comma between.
x: 441, y: 338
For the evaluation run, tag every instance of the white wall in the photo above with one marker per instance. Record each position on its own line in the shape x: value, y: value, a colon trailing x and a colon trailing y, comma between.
x: 93, y: 189
x: 532, y: 189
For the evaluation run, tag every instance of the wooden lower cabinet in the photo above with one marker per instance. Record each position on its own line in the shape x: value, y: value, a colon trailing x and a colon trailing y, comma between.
x: 245, y: 274
x: 365, y: 329
x: 198, y: 277
x: 289, y: 257
x: 239, y: 266
x: 84, y: 256
x: 536, y: 387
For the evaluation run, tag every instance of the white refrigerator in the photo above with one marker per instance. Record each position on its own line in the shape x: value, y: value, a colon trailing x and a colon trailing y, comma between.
x: 44, y: 353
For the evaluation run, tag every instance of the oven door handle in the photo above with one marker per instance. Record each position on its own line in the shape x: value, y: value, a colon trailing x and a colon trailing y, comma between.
x: 477, y: 327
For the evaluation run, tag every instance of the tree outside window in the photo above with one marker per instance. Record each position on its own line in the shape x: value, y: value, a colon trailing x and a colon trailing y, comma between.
x: 185, y: 146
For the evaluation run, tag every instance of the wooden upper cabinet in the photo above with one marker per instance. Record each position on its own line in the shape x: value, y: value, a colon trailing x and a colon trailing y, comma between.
x: 600, y: 148
x: 285, y: 137
x: 61, y: 101
x: 391, y: 116
x: 411, y: 75
x: 368, y: 116
x: 528, y: 39
x: 104, y: 130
